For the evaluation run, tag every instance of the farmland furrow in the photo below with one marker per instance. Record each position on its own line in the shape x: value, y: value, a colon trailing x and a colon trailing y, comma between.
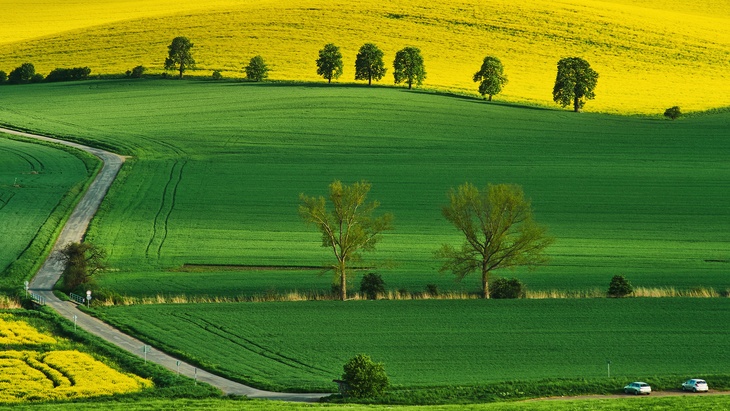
x: 156, y: 222
x: 24, y: 156
x: 172, y: 207
x: 262, y: 350
x: 74, y: 231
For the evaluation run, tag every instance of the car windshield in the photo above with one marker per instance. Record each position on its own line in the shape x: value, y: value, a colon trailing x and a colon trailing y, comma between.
x: 701, y: 382
x: 644, y: 384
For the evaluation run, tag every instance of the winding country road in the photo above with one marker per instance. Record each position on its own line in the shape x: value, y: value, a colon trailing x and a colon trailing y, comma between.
x: 74, y: 230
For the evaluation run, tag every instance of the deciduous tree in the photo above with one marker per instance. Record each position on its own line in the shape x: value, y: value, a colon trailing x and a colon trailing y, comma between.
x: 329, y: 63
x: 257, y: 70
x: 22, y: 74
x: 180, y: 56
x: 364, y: 377
x: 369, y: 63
x: 82, y: 261
x: 408, y: 67
x: 575, y: 83
x: 490, y: 77
x: 499, y: 232
x: 349, y: 228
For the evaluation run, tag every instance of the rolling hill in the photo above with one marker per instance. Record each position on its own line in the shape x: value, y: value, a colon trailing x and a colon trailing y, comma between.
x: 650, y: 55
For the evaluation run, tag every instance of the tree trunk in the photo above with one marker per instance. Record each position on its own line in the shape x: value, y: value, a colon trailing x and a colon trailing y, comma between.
x: 409, y: 84
x: 329, y: 80
x: 370, y: 80
x: 485, y: 285
x: 576, y: 106
x: 181, y: 70
x: 490, y: 97
x: 343, y: 282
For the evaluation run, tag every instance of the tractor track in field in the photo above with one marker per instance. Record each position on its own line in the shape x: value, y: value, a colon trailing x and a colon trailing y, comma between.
x: 73, y: 231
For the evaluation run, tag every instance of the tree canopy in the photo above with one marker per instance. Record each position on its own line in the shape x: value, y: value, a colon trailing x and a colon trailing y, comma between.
x: 364, y: 377
x: 22, y: 74
x: 499, y: 232
x: 490, y: 77
x: 369, y: 63
x: 575, y: 83
x: 329, y: 63
x: 408, y: 67
x: 349, y: 228
x: 82, y: 260
x: 179, y: 55
x: 257, y: 70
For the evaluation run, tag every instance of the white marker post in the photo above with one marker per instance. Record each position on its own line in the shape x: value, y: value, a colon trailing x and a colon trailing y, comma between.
x: 178, y: 366
x: 75, y: 318
x: 608, y: 363
x: 27, y: 287
x: 88, y: 298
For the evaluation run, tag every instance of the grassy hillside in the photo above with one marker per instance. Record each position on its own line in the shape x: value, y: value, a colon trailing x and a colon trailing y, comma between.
x: 219, y: 168
x: 38, y: 185
x: 650, y: 55
x: 438, y: 343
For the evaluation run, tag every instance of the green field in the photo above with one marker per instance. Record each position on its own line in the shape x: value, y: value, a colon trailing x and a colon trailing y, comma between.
x: 450, y: 342
x: 219, y: 167
x: 38, y: 186
x: 647, y: 404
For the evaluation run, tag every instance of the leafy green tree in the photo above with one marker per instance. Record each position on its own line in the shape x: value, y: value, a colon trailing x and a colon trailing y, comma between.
x: 408, y: 66
x: 575, y: 83
x: 257, y: 70
x: 3, y: 76
x: 371, y: 285
x: 369, y: 63
x: 82, y: 261
x: 329, y: 63
x: 673, y: 112
x: 619, y: 287
x: 364, y: 377
x: 349, y: 228
x: 22, y: 74
x: 490, y: 77
x: 499, y: 232
x: 180, y: 56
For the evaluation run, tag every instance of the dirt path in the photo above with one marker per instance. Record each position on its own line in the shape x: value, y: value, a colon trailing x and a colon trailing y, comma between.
x: 52, y: 268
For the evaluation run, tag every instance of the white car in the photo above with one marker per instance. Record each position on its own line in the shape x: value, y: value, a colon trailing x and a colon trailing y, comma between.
x: 638, y: 388
x: 695, y: 385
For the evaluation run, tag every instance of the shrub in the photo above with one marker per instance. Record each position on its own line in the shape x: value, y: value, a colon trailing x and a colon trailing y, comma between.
x: 68, y: 74
x: 3, y: 76
x: 504, y: 288
x: 364, y: 378
x: 217, y: 75
x: 257, y: 70
x: 371, y: 285
x: 137, y: 72
x: 22, y: 74
x: 673, y: 112
x: 432, y: 290
x: 619, y: 287
x: 37, y: 78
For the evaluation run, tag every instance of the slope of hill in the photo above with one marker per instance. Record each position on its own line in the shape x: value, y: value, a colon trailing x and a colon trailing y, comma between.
x: 650, y: 55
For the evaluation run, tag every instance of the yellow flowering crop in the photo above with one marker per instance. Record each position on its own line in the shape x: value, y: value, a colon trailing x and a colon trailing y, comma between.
x: 29, y: 375
x: 21, y: 333
x: 650, y: 54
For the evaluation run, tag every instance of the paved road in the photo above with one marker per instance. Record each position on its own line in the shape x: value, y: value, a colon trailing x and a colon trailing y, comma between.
x: 74, y: 231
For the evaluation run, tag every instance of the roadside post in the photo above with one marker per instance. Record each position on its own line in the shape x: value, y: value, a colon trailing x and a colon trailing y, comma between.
x: 145, y: 350
x: 608, y: 364
x: 178, y: 366
x: 27, y: 287
x: 88, y: 298
x: 75, y: 318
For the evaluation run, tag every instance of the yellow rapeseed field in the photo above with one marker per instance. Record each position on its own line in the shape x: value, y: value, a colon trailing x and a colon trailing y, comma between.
x: 57, y: 375
x: 650, y: 54
x: 16, y: 332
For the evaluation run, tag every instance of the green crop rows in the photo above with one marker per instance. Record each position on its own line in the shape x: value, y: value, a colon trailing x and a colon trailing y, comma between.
x: 219, y: 167
x: 454, y: 342
x: 36, y: 185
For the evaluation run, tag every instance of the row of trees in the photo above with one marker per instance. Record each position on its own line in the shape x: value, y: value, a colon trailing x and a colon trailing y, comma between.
x: 25, y: 73
x: 496, y: 222
x: 575, y: 82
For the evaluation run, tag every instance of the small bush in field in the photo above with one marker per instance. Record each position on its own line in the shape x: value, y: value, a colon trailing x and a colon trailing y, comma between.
x: 371, y: 285
x: 619, y: 287
x: 217, y: 75
x: 504, y: 288
x: 364, y: 378
x: 673, y: 112
x: 432, y: 290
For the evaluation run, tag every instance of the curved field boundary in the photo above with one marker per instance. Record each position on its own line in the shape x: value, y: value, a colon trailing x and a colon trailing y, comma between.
x: 74, y: 231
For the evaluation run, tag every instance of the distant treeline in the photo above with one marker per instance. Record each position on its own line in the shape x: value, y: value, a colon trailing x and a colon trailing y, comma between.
x: 25, y: 73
